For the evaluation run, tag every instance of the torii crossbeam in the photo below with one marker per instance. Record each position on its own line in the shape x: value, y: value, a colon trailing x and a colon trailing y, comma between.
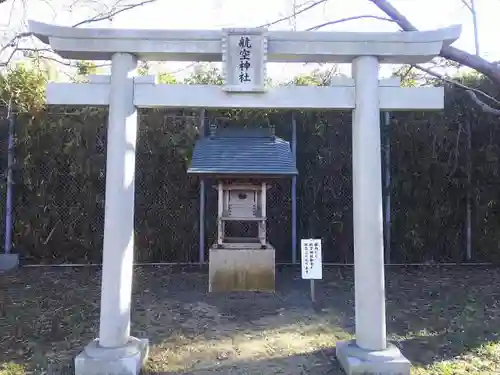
x: 115, y: 352
x: 339, y: 96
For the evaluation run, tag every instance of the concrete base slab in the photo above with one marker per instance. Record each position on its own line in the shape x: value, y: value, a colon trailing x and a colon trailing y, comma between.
x: 127, y: 360
x: 357, y: 361
x: 241, y: 269
x: 8, y: 262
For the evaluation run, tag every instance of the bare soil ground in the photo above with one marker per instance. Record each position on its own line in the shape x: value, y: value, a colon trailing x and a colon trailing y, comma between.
x: 445, y: 320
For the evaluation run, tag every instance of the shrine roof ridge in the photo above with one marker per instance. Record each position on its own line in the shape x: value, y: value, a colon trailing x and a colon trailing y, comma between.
x: 246, y: 132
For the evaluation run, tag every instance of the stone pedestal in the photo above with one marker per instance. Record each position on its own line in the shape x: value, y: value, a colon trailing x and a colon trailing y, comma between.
x: 357, y: 361
x: 241, y: 268
x: 8, y: 262
x: 126, y: 360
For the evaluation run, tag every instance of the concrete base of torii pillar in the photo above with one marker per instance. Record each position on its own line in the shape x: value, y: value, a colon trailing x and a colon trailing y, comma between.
x: 357, y: 361
x: 9, y: 262
x: 124, y: 360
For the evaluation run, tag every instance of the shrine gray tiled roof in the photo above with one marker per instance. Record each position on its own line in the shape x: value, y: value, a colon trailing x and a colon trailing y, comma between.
x: 242, y: 152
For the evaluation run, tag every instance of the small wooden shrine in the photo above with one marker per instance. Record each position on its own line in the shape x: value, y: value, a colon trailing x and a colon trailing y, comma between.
x: 243, y: 164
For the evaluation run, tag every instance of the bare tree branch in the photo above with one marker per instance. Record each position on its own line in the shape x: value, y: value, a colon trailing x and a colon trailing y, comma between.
x: 110, y: 12
x: 472, y: 61
x: 11, y: 12
x: 458, y: 84
x: 39, y: 55
x: 403, y: 76
x: 350, y: 19
x: 109, y: 15
x: 485, y: 107
x: 405, y: 24
x: 466, y: 4
x: 470, y: 91
x: 305, y: 9
x: 14, y: 40
x: 12, y: 53
x: 490, y: 70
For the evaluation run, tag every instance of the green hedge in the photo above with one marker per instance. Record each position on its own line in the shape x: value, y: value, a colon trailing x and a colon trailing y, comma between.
x: 59, y: 191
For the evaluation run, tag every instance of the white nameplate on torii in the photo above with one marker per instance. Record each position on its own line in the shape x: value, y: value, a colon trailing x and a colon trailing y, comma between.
x: 244, y: 55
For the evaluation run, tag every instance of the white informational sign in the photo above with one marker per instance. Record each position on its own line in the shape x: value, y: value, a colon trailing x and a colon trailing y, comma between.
x: 244, y: 55
x: 312, y: 262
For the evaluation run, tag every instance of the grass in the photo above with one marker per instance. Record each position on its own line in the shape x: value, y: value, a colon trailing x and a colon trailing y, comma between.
x: 445, y: 320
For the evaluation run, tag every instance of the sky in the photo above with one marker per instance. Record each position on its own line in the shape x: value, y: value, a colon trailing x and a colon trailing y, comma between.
x: 216, y: 14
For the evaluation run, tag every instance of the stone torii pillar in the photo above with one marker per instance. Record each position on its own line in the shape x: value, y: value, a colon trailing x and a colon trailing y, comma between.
x: 118, y: 247
x: 369, y: 353
x: 115, y: 352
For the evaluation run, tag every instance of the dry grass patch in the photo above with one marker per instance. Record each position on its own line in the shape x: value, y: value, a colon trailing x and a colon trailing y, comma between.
x: 446, y: 321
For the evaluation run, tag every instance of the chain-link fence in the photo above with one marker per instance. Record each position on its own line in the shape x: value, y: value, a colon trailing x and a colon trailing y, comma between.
x: 167, y: 200
x: 59, y: 187
x: 59, y: 178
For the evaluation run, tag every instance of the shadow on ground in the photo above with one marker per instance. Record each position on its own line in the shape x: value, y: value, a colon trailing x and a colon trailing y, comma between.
x: 50, y: 314
x: 316, y: 362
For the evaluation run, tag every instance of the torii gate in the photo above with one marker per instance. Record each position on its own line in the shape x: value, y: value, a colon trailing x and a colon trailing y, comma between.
x: 244, y: 53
